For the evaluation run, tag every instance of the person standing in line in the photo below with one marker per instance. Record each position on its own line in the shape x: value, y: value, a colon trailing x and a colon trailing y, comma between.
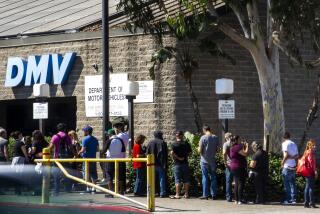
x: 140, y: 167
x: 238, y: 166
x: 114, y: 148
x: 20, y: 157
x: 61, y: 145
x: 311, y: 173
x: 4, y: 156
x: 227, y: 160
x: 180, y: 153
x: 38, y: 144
x: 158, y: 147
x: 120, y: 132
x: 208, y: 146
x: 260, y: 169
x: 289, y: 163
x: 90, y: 147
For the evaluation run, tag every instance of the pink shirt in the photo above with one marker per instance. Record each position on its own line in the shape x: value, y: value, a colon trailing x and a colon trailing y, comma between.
x: 55, y: 141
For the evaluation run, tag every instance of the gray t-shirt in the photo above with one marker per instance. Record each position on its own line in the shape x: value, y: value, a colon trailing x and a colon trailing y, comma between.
x: 3, y: 142
x: 208, y: 148
x: 226, y: 149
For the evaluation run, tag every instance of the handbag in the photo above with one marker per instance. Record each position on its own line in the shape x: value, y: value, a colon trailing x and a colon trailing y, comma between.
x: 302, y: 167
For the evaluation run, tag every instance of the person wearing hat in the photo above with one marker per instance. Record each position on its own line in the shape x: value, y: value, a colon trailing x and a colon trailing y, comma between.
x: 90, y: 147
x: 259, y: 170
x: 180, y: 153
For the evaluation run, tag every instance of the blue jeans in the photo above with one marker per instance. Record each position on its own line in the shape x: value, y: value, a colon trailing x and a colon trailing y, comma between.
x: 308, y: 191
x: 208, y: 176
x: 139, y: 186
x: 289, y: 179
x: 161, y: 174
x: 57, y: 177
x: 229, y: 178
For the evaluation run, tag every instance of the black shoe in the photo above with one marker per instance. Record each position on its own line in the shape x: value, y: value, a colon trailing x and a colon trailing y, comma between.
x: 108, y: 196
x: 204, y: 198
x: 306, y: 205
x: 214, y: 198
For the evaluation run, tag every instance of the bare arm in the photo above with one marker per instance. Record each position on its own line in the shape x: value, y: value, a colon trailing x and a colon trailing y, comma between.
x: 285, y: 158
x: 253, y: 164
x: 82, y: 150
x: 245, y: 150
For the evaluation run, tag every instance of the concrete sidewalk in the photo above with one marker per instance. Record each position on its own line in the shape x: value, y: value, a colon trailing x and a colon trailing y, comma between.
x: 166, y: 205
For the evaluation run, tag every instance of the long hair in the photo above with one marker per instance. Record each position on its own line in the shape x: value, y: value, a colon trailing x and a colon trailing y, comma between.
x: 310, y: 144
x: 234, y: 140
x: 37, y: 136
x: 73, y: 135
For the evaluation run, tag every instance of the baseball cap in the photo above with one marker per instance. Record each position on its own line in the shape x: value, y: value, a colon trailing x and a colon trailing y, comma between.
x: 87, y: 129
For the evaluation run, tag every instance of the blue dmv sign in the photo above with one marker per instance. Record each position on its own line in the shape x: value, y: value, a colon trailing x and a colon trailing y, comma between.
x: 50, y: 69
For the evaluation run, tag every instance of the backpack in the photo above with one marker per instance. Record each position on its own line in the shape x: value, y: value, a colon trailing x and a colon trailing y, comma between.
x: 123, y: 149
x: 65, y: 150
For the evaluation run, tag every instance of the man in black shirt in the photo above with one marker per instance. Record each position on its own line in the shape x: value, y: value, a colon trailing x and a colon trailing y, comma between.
x: 158, y: 147
x: 180, y: 152
x: 260, y: 170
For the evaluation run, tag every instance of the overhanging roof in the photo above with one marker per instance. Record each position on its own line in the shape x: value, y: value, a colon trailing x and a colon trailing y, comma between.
x: 23, y: 17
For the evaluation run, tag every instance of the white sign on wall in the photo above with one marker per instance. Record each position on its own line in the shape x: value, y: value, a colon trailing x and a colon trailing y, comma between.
x: 226, y: 109
x: 40, y: 110
x: 145, y: 92
x: 93, y: 95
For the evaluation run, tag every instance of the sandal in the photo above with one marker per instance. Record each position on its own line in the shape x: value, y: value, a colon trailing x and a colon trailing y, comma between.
x: 186, y: 196
x: 175, y: 197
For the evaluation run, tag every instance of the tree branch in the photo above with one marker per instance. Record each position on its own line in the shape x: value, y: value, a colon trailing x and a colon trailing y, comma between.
x: 241, y: 18
x: 283, y: 47
x: 235, y: 36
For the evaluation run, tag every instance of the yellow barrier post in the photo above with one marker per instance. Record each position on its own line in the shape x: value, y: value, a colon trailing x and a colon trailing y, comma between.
x: 150, y: 183
x: 116, y: 177
x: 46, y: 176
x: 86, y: 171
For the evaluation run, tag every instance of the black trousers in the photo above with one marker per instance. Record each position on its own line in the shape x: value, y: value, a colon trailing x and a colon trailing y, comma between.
x: 239, y: 177
x: 260, y: 181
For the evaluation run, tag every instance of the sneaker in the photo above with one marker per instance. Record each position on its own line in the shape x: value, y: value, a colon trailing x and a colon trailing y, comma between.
x: 204, y: 198
x: 285, y: 203
x: 239, y: 203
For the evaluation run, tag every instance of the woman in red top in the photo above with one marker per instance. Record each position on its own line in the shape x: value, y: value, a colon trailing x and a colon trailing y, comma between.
x: 140, y: 167
x: 311, y: 173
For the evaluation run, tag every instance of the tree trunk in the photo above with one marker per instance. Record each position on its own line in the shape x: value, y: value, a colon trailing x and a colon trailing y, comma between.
x: 272, y: 99
x: 195, y: 106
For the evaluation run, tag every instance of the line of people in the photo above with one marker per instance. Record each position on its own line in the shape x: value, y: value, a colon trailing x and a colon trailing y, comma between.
x: 235, y: 153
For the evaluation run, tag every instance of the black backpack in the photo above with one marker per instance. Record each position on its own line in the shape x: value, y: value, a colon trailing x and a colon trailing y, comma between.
x: 65, y: 150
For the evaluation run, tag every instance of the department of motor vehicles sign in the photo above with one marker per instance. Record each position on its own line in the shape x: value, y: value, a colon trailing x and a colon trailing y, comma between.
x: 226, y: 109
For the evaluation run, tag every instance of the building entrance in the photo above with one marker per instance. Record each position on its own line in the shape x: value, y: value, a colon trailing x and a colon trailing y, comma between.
x: 18, y: 115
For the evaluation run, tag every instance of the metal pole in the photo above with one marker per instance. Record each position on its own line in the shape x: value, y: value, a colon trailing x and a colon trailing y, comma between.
x: 105, y: 68
x: 131, y: 121
x: 226, y: 125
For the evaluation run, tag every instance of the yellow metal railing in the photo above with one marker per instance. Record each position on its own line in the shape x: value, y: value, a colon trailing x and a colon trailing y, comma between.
x: 46, y: 160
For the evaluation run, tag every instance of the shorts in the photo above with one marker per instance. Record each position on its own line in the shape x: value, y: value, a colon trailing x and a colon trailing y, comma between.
x: 181, y: 173
x: 110, y: 169
x: 92, y: 171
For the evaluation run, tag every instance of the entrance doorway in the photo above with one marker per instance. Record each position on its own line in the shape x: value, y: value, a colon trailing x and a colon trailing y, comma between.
x: 18, y: 115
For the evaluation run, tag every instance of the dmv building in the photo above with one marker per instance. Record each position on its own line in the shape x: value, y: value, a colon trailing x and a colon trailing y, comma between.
x: 59, y: 43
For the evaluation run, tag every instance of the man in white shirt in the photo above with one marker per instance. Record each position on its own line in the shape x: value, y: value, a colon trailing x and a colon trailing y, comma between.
x: 290, y: 155
x: 115, y: 148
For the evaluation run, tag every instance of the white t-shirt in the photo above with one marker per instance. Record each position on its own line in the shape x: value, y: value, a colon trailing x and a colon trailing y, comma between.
x: 114, y: 150
x: 291, y: 148
x: 125, y: 137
